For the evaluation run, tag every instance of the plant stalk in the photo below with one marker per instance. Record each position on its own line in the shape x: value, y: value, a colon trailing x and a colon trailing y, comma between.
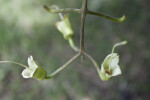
x: 83, y: 16
x: 64, y: 66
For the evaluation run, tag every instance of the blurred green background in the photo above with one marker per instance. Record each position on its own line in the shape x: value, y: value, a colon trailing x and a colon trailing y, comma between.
x: 27, y: 29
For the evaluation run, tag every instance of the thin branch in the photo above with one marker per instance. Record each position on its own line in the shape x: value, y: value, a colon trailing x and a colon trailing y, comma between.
x: 93, y: 61
x: 118, y: 44
x: 16, y: 64
x: 118, y: 20
x: 65, y: 10
x: 64, y: 66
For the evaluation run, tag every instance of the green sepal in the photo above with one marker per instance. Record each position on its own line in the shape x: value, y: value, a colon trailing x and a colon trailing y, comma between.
x: 39, y: 73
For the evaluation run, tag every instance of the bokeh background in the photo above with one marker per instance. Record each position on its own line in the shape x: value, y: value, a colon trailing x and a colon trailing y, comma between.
x: 27, y: 29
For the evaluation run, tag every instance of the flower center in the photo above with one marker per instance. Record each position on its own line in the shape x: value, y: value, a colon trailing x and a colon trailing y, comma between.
x: 108, y: 71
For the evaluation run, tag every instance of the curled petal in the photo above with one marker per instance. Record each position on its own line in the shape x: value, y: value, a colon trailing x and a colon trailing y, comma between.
x: 116, y: 71
x: 110, y: 61
x: 114, y: 59
x: 31, y: 63
x: 27, y: 73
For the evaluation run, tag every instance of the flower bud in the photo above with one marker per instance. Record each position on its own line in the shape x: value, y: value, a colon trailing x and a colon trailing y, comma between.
x: 65, y: 28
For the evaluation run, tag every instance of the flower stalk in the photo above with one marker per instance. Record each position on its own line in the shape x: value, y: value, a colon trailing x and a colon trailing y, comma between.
x: 118, y: 44
x: 64, y: 66
x: 73, y: 46
x: 15, y: 63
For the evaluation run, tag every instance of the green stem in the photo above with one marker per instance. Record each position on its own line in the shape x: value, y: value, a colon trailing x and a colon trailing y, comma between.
x: 16, y: 64
x: 71, y: 42
x: 61, y: 10
x: 64, y: 66
x: 93, y: 61
x: 118, y: 44
x: 60, y: 14
x: 119, y: 20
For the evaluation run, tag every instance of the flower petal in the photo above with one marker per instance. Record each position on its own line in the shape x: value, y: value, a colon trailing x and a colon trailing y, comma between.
x: 116, y: 71
x: 31, y: 63
x: 26, y: 73
x: 32, y: 73
x: 102, y: 69
x: 114, y: 59
x: 110, y: 60
x: 107, y: 60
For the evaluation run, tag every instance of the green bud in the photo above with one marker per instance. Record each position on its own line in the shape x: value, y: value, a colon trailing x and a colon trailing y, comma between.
x: 65, y: 28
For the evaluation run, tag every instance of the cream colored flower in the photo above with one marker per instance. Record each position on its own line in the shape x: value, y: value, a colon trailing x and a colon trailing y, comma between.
x: 64, y: 27
x: 110, y: 67
x: 34, y: 70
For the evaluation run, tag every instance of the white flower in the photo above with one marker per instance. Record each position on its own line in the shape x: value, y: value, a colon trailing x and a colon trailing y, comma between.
x: 64, y: 27
x: 110, y: 67
x: 34, y: 70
